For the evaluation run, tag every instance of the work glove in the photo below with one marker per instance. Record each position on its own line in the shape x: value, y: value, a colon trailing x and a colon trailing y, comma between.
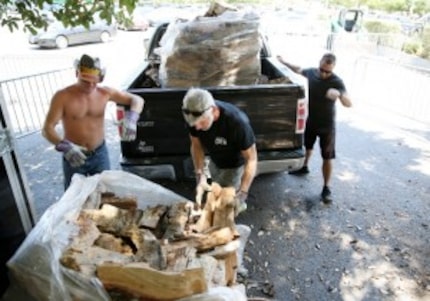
x: 129, y: 126
x: 73, y: 153
x: 332, y: 94
x: 203, y: 185
x: 240, y: 202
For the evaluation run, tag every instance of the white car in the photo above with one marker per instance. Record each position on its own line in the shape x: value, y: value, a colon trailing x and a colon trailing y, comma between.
x: 58, y: 36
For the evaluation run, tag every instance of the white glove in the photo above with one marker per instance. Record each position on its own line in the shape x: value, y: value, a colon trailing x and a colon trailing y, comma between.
x: 73, y: 153
x: 129, y: 126
x: 332, y: 94
x: 240, y: 204
x: 202, y: 187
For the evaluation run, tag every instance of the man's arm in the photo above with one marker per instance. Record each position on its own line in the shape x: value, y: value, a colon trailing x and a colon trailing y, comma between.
x: 198, y: 155
x: 345, y: 100
x: 250, y: 168
x: 295, y: 68
x: 54, y: 115
x: 334, y: 94
x: 135, y: 102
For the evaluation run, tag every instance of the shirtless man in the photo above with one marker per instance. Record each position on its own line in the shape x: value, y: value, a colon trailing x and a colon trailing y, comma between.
x: 81, y: 108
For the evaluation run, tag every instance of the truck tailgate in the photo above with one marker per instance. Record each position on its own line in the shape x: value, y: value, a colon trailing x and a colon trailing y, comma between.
x: 162, y: 130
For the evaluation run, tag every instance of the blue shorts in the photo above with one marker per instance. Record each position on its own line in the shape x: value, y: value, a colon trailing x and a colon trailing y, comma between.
x: 97, y: 161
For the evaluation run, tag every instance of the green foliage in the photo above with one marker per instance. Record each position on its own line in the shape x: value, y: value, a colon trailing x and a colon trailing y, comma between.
x: 386, y: 33
x: 379, y: 26
x: 426, y: 43
x: 409, y: 6
x: 413, y: 46
x: 34, y: 14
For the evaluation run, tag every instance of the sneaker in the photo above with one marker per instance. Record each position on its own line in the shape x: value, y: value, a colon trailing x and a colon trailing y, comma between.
x: 302, y: 171
x: 325, y: 195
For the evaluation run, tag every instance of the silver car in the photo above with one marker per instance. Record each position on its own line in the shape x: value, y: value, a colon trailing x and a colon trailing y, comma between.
x: 58, y: 36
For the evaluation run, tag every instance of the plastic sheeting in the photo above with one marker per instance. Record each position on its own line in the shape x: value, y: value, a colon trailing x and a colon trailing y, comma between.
x: 211, y: 51
x: 35, y: 267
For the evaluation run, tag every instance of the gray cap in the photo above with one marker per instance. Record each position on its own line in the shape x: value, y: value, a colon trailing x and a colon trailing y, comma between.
x: 195, y: 104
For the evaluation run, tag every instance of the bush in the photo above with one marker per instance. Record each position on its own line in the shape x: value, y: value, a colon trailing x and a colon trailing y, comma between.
x: 414, y: 47
x: 385, y: 33
x: 379, y: 26
x: 426, y: 43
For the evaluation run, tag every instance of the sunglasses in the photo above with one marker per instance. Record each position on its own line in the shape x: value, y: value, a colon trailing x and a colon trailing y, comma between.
x: 325, y: 71
x: 194, y: 113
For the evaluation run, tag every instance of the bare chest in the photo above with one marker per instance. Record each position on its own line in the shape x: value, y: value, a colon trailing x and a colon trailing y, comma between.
x: 90, y: 106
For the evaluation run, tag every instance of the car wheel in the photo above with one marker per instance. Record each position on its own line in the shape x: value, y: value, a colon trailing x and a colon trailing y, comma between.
x: 104, y: 36
x: 61, y: 42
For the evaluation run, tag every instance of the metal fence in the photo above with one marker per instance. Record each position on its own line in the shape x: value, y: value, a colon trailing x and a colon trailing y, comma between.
x: 26, y: 99
x: 393, y: 86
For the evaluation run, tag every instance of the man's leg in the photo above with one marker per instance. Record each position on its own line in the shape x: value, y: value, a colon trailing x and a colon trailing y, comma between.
x: 327, y: 144
x: 310, y: 138
x: 326, y: 171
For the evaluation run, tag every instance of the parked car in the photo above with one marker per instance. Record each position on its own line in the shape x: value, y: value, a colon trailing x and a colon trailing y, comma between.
x: 58, y: 36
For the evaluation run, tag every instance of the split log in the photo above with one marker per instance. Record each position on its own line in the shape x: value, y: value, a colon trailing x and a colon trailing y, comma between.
x: 110, y: 219
x: 140, y: 280
x: 176, y: 220
x: 120, y: 202
x: 214, y: 238
x: 224, y: 213
x: 151, y: 216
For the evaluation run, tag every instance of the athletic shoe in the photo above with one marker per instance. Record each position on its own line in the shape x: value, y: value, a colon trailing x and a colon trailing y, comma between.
x: 302, y: 171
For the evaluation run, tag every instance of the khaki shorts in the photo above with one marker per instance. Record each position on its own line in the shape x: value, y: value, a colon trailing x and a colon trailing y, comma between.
x: 226, y: 177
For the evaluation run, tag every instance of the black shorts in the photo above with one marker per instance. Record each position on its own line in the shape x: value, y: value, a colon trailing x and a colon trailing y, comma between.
x: 327, y: 140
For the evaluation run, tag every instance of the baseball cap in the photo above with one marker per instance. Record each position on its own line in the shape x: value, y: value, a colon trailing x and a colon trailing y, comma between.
x: 90, y: 68
x: 195, y: 104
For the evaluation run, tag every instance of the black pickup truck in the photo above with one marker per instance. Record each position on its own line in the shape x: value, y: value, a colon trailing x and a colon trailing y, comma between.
x: 277, y: 113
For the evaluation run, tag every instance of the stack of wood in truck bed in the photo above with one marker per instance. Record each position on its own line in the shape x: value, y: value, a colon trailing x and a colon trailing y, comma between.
x: 211, y: 51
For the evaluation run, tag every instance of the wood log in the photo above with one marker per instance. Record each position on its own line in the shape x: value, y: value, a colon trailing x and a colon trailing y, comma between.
x: 224, y: 212
x: 176, y: 220
x: 120, y: 202
x: 205, y: 221
x: 110, y: 219
x: 151, y: 216
x: 215, y: 238
x: 142, y: 281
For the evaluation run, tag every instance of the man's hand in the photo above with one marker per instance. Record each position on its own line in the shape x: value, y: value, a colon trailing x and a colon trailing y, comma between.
x: 202, y: 187
x: 72, y: 152
x: 240, y: 205
x: 129, y: 126
x: 333, y: 94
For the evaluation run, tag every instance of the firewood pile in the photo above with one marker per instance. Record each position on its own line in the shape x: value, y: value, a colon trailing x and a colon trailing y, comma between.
x: 163, y: 252
x: 219, y: 49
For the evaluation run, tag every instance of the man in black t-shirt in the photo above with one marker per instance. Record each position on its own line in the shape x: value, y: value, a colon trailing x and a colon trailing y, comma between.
x: 223, y: 132
x: 325, y: 87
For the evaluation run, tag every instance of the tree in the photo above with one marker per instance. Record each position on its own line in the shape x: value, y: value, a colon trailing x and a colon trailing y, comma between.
x: 34, y: 14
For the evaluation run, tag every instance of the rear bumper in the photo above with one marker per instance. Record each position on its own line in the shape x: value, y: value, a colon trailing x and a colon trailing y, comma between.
x: 181, y: 167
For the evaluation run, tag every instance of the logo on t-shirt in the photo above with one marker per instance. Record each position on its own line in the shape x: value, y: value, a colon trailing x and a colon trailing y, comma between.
x: 220, y: 141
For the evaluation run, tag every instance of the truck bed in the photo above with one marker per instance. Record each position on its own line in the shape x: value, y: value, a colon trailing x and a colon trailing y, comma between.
x: 162, y: 137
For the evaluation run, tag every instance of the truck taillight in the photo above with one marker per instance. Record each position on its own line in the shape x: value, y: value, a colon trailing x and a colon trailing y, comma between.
x: 301, y: 116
